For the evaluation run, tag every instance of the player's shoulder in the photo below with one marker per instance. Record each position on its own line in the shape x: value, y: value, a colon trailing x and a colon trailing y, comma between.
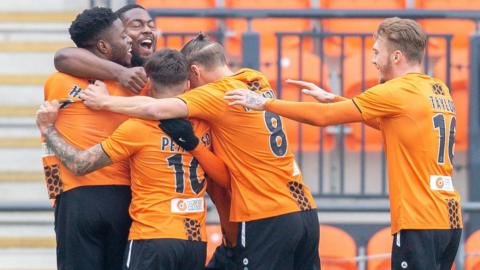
x: 63, y: 78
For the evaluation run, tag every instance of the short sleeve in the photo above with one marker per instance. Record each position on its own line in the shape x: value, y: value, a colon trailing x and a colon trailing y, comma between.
x: 379, y: 101
x: 204, y: 103
x: 125, y: 140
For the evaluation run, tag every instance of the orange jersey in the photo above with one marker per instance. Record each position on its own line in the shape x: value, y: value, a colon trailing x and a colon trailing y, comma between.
x: 417, y: 118
x: 82, y: 128
x: 265, y: 179
x: 168, y: 185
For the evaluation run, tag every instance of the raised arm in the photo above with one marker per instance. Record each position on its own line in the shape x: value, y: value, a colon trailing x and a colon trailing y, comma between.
x: 306, y: 112
x: 96, y: 97
x: 82, y: 63
x: 80, y: 162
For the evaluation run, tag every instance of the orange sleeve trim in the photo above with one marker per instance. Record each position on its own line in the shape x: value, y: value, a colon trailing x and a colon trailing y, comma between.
x: 316, y: 113
x: 212, y: 165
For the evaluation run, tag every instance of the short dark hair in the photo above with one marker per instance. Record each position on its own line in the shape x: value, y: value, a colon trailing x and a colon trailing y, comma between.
x: 201, y: 50
x: 126, y: 8
x: 405, y: 35
x: 85, y: 30
x: 167, y: 67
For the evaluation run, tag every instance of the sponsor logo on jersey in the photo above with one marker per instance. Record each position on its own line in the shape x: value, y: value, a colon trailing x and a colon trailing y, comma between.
x: 441, y: 182
x: 194, y: 205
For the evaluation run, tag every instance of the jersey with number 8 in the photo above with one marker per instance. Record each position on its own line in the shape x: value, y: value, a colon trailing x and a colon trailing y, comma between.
x: 417, y: 118
x: 266, y: 181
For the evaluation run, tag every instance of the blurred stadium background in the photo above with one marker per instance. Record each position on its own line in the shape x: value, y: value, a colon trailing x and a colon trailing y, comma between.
x: 324, y: 41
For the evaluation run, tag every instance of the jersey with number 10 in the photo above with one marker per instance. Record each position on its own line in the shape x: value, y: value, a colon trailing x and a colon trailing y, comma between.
x: 168, y: 185
x: 266, y: 181
x: 417, y: 118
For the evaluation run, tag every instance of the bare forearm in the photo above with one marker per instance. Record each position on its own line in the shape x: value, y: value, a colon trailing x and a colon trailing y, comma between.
x: 82, y: 63
x: 77, y: 161
x: 146, y: 107
x: 315, y: 113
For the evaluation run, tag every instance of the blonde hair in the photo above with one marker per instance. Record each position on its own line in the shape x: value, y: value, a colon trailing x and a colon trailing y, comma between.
x: 404, y: 35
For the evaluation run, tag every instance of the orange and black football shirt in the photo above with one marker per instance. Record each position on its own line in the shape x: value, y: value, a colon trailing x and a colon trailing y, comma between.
x: 82, y: 128
x: 265, y: 179
x: 168, y: 185
x: 417, y: 118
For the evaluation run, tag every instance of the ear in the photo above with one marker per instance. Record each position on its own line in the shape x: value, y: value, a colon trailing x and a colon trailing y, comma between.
x: 103, y: 47
x: 195, y: 70
x: 397, y: 55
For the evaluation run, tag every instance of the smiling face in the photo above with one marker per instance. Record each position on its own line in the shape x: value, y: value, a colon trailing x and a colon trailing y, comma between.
x: 120, y: 43
x: 140, y: 27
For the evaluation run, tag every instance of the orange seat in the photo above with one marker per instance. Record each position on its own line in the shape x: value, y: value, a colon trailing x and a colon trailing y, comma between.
x: 214, y: 239
x: 459, y: 89
x: 337, y: 249
x: 311, y: 70
x: 472, y: 245
x: 461, y: 29
x: 189, y: 25
x: 380, y: 247
x: 353, y: 45
x: 265, y: 27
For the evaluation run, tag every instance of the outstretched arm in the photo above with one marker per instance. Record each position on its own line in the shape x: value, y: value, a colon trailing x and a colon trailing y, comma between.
x: 77, y: 161
x: 306, y: 112
x: 82, y: 63
x: 323, y: 96
x: 96, y: 97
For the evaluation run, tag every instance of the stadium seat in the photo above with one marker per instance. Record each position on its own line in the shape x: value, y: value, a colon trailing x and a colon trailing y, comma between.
x: 337, y: 249
x: 266, y: 27
x: 472, y: 246
x: 380, y: 248
x: 461, y: 29
x: 459, y: 89
x: 187, y: 25
x: 214, y: 239
x: 353, y: 45
x: 310, y: 72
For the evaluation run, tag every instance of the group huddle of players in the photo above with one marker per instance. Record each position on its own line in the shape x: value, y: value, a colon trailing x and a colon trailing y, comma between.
x: 128, y: 189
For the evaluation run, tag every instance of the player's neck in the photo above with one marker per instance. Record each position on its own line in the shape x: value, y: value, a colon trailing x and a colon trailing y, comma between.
x: 219, y: 73
x: 407, y: 68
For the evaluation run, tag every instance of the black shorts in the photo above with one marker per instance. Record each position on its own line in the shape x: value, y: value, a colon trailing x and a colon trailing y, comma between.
x: 425, y: 249
x: 223, y: 259
x: 165, y: 254
x: 287, y: 242
x: 91, y: 227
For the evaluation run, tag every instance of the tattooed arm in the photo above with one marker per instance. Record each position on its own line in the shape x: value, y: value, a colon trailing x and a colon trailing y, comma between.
x: 77, y: 161
x: 80, y: 162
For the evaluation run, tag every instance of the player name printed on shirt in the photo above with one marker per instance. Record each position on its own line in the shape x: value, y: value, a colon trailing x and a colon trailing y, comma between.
x: 441, y: 182
x: 193, y: 205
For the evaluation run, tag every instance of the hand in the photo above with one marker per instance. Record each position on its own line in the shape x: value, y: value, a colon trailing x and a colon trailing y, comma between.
x: 133, y: 79
x: 312, y: 90
x: 181, y: 131
x: 94, y: 95
x: 246, y: 98
x: 47, y: 115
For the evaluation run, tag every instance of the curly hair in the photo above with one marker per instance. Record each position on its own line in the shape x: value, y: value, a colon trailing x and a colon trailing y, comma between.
x: 167, y: 67
x: 87, y: 27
